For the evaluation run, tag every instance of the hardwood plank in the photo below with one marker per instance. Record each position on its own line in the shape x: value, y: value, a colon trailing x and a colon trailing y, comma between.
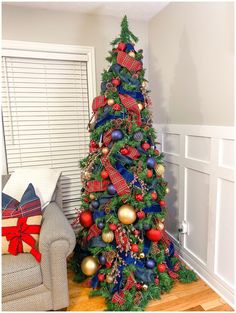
x: 197, y: 296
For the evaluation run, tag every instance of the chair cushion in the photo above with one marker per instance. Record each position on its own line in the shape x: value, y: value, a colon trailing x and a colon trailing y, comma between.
x: 21, y: 272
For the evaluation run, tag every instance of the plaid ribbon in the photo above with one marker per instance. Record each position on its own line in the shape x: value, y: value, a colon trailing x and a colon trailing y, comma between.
x: 165, y: 238
x: 177, y: 267
x: 173, y: 274
x: 107, y: 137
x: 131, y: 105
x: 98, y: 102
x: 119, y: 297
x: 94, y: 231
x: 97, y: 185
x: 117, y: 180
x: 133, y: 153
x: 127, y: 61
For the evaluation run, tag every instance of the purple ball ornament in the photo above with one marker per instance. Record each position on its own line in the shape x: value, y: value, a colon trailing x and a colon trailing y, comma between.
x: 111, y: 189
x: 102, y: 260
x: 100, y: 225
x: 95, y: 204
x: 117, y: 135
x: 150, y: 263
x: 151, y: 162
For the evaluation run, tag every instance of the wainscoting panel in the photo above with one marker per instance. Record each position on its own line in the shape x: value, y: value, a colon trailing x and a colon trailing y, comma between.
x: 199, y: 164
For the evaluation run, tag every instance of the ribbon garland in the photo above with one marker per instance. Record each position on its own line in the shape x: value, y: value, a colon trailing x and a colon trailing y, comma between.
x: 94, y: 231
x: 154, y: 208
x: 119, y: 297
x: 127, y: 61
x: 22, y: 233
x: 103, y: 120
x: 116, y: 178
x: 131, y: 105
x: 107, y: 137
x: 128, y: 176
x: 98, y: 102
x: 97, y: 185
x: 137, y: 95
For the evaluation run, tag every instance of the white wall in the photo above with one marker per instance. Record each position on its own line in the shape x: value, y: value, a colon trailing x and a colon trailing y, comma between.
x: 72, y: 28
x: 191, y: 59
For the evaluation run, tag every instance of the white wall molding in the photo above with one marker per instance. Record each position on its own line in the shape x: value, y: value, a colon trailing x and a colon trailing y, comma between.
x: 200, y: 172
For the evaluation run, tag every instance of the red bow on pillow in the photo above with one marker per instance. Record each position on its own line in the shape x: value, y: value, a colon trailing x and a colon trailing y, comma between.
x: 19, y: 234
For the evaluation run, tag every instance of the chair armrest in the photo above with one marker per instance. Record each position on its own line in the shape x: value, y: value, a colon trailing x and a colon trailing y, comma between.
x: 55, y: 227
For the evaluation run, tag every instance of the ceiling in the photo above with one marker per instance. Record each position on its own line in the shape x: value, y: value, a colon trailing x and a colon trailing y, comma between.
x: 134, y: 10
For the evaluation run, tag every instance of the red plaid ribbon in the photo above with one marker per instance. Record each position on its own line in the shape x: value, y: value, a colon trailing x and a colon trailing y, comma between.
x: 133, y: 153
x: 107, y: 137
x: 131, y: 105
x: 94, y: 231
x: 127, y: 61
x: 173, y: 274
x: 177, y: 267
x: 97, y: 185
x: 98, y: 102
x: 117, y: 180
x: 120, y: 296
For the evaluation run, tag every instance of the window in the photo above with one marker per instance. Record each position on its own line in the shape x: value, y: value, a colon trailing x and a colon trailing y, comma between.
x: 45, y: 105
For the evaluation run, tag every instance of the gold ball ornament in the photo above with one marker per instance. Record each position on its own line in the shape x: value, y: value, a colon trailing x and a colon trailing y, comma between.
x: 127, y: 214
x: 145, y: 287
x: 87, y: 175
x: 131, y: 54
x: 161, y: 226
x: 140, y: 106
x: 144, y: 84
x: 167, y: 190
x: 141, y: 255
x: 110, y: 101
x: 91, y: 196
x: 89, y: 265
x: 108, y: 236
x: 105, y: 151
x: 109, y: 279
x: 160, y: 170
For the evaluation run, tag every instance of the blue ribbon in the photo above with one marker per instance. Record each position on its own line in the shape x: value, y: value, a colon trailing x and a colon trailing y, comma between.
x: 137, y: 95
x: 129, y: 260
x: 123, y: 159
x: 146, y: 246
x: 127, y: 78
x: 154, y: 208
x: 104, y: 199
x: 103, y: 120
x: 126, y: 174
x: 95, y: 281
x: 98, y: 214
x: 129, y: 47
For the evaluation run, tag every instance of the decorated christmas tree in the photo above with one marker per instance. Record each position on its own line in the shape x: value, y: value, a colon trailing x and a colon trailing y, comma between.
x: 123, y: 246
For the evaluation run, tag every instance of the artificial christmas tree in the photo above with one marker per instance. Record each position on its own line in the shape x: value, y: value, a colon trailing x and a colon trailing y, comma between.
x: 123, y: 244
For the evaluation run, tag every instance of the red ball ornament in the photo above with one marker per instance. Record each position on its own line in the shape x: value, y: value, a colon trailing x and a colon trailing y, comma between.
x: 124, y: 151
x: 149, y: 173
x: 121, y: 46
x: 138, y: 286
x: 140, y: 214
x: 93, y: 144
x: 156, y: 280
x: 116, y: 107
x: 156, y: 151
x: 161, y: 267
x: 104, y: 174
x: 154, y: 195
x: 136, y: 232
x: 115, y: 82
x: 112, y: 227
x: 108, y: 264
x: 86, y: 218
x: 145, y: 146
x: 162, y: 203
x: 139, y: 197
x: 154, y: 234
x: 101, y: 277
x: 86, y: 200
x: 134, y: 248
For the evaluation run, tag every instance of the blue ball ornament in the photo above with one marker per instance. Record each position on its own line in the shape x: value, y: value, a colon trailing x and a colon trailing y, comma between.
x: 100, y: 225
x: 146, y: 226
x: 150, y: 263
x: 95, y: 204
x: 102, y: 259
x: 151, y: 162
x: 117, y: 135
x: 111, y: 189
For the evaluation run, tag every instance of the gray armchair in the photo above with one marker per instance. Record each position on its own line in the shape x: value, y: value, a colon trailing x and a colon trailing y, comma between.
x: 31, y: 286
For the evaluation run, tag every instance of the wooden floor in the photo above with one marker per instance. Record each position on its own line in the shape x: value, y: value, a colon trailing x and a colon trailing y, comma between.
x: 196, y: 296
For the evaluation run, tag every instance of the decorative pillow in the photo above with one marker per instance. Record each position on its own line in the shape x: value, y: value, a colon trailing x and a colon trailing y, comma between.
x: 21, y: 235
x: 29, y: 204
x: 43, y: 179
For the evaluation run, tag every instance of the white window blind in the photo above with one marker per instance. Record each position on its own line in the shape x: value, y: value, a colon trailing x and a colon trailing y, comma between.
x: 45, y: 115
